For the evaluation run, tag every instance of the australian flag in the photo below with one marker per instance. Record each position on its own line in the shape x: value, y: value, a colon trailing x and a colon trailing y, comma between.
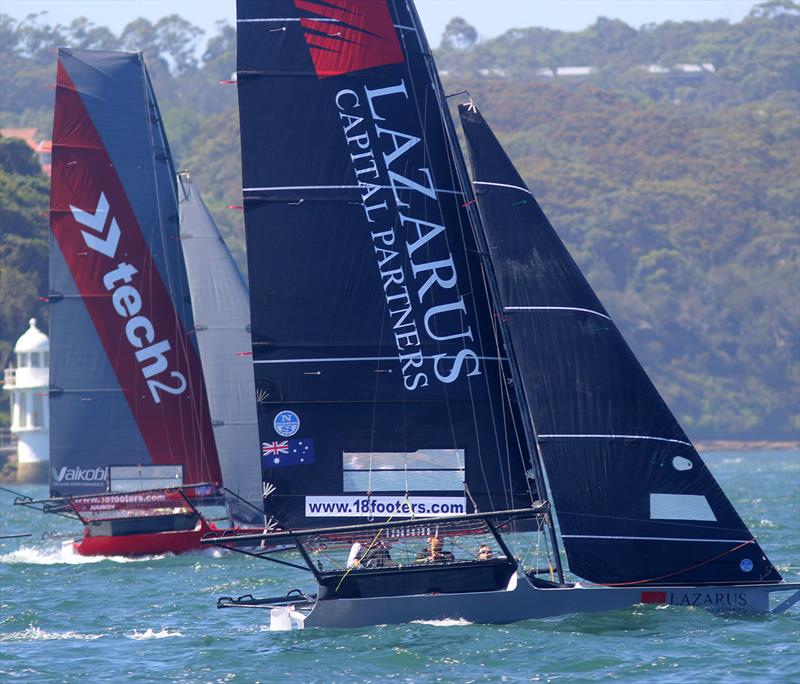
x: 289, y: 452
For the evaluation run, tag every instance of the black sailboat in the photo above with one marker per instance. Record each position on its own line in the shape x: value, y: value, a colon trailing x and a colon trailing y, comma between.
x: 432, y: 364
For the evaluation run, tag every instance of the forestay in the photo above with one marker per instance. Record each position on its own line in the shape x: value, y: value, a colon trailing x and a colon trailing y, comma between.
x: 379, y: 375
x: 126, y: 382
x: 634, y: 500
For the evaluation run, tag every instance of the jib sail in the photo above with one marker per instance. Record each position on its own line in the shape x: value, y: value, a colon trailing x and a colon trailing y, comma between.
x: 634, y: 500
x: 221, y: 309
x: 126, y: 381
x: 379, y: 375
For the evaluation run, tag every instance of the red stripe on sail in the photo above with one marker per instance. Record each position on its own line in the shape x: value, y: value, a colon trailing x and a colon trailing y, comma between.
x: 178, y: 429
x: 360, y: 36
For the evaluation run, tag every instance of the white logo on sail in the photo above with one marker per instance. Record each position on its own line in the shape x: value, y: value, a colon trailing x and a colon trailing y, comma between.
x: 416, y: 267
x: 78, y: 474
x: 127, y: 301
x: 96, y: 222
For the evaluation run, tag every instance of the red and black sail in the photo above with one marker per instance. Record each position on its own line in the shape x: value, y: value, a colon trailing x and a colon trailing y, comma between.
x: 379, y: 373
x: 126, y: 382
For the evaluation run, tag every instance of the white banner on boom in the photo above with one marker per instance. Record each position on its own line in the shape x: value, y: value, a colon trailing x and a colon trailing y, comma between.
x: 384, y: 506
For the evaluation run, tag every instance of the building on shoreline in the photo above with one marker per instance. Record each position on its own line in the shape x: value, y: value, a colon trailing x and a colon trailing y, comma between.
x: 28, y: 385
x: 42, y: 148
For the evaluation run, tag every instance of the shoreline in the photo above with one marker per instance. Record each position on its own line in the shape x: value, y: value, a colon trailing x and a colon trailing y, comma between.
x: 746, y: 445
x: 8, y: 469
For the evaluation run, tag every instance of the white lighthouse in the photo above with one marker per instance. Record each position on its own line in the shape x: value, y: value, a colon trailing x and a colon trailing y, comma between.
x: 28, y: 385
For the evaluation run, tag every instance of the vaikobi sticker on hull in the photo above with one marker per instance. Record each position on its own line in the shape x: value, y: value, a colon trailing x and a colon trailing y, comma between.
x: 384, y: 506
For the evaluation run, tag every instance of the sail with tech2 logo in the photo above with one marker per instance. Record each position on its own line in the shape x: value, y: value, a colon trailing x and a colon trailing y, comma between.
x: 374, y: 339
x: 136, y: 455
x: 122, y: 348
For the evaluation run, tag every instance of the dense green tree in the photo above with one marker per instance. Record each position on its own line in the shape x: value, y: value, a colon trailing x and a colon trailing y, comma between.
x: 459, y: 34
x: 17, y: 158
x: 676, y: 192
x: 82, y: 33
x: 24, y: 202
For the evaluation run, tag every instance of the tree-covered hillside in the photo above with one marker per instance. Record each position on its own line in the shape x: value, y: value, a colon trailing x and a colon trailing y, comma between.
x: 24, y: 199
x: 669, y: 164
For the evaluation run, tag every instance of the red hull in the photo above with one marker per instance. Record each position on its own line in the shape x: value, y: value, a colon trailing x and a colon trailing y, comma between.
x: 148, y: 544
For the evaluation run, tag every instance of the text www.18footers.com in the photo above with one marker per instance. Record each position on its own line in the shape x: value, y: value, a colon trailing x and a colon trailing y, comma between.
x: 360, y: 506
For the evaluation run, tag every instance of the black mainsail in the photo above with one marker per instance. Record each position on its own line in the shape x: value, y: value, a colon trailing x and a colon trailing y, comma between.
x: 634, y: 500
x: 380, y: 375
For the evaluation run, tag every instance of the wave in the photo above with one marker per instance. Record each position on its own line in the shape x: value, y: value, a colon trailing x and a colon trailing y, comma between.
x: 33, y: 633
x: 31, y: 555
x: 446, y: 622
x: 150, y: 634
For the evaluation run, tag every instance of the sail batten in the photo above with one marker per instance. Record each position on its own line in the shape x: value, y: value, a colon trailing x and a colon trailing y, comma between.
x: 660, y: 539
x: 650, y: 437
x: 556, y: 308
x: 503, y: 185
x: 616, y: 459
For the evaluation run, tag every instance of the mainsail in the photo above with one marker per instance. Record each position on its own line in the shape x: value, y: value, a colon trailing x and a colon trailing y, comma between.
x: 381, y: 380
x: 221, y: 309
x: 634, y: 500
x: 126, y: 382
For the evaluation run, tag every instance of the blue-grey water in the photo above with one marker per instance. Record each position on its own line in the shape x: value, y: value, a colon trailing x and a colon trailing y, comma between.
x: 154, y: 619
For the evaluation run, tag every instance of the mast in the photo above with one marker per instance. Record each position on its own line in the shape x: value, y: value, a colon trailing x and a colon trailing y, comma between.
x: 518, y: 385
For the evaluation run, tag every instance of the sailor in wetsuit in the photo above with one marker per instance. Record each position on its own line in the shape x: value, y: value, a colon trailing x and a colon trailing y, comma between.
x: 377, y: 556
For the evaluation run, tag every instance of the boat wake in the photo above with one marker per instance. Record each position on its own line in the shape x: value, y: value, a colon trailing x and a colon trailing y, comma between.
x: 150, y: 634
x: 38, y: 634
x: 446, y: 622
x: 56, y: 556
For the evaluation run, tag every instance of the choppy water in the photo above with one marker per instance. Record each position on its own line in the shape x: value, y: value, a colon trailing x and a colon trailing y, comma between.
x: 154, y: 619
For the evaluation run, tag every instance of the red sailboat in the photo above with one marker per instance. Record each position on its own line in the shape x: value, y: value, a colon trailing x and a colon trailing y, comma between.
x: 152, y: 411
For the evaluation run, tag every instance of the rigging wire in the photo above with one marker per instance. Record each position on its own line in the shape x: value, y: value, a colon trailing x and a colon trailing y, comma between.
x: 454, y: 183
